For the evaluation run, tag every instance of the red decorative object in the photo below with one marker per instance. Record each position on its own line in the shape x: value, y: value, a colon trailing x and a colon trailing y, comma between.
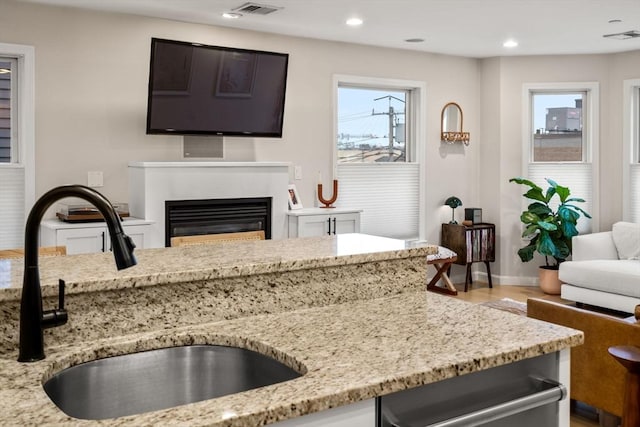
x: 328, y: 202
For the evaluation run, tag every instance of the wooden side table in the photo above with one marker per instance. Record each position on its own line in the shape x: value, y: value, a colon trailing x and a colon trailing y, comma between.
x: 472, y: 243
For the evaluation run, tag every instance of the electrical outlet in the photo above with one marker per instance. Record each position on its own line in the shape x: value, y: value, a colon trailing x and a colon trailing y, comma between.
x: 95, y: 179
x: 297, y: 172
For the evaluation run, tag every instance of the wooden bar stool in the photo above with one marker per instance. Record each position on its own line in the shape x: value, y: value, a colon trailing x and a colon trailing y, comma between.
x: 629, y: 357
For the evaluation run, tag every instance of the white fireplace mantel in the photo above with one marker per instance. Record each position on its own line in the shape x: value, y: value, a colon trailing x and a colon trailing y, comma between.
x: 153, y: 183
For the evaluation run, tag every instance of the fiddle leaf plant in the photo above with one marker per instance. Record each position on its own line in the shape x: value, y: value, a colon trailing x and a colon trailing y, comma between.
x: 549, y: 232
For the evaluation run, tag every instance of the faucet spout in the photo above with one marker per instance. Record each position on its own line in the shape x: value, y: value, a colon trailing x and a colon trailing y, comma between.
x: 32, y: 319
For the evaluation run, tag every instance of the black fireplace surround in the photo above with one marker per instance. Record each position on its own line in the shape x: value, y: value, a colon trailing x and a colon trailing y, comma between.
x: 215, y: 216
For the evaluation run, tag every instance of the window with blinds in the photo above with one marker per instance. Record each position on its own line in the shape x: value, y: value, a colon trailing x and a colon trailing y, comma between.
x: 634, y: 193
x: 376, y: 161
x: 631, y: 153
x: 561, y: 140
x: 16, y: 141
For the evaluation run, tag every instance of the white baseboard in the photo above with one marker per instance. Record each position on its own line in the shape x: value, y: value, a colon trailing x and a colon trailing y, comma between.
x: 507, y: 280
x: 497, y: 279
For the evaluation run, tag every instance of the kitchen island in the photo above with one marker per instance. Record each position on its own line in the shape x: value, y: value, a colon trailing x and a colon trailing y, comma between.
x: 365, y: 328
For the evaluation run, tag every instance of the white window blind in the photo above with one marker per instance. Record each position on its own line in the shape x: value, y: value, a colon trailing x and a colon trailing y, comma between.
x: 388, y: 194
x: 634, y: 187
x: 577, y: 176
x: 12, y: 216
x: 631, y: 152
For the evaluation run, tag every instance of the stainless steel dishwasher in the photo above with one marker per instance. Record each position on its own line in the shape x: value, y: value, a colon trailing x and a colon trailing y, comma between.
x: 522, y: 394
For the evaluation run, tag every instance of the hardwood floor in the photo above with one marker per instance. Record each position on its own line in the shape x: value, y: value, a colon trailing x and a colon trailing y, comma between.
x: 583, y: 415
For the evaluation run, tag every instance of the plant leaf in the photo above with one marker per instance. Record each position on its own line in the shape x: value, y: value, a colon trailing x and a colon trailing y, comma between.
x: 579, y: 209
x: 529, y: 218
x: 524, y: 181
x: 535, y: 194
x: 547, y: 226
x: 563, y: 192
x: 574, y: 199
x: 569, y: 230
x: 526, y: 253
x: 540, y: 209
x: 562, y: 251
x: 530, y: 230
x: 545, y: 244
x: 566, y: 213
x: 550, y: 192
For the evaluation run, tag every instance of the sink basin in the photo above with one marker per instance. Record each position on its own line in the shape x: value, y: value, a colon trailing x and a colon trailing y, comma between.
x: 159, y: 379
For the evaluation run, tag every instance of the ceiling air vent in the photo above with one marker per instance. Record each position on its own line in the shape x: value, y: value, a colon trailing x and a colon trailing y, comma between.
x: 256, y: 9
x: 623, y: 36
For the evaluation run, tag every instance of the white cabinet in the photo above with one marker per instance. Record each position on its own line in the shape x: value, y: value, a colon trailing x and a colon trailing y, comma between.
x: 321, y: 222
x: 89, y: 237
x: 360, y: 414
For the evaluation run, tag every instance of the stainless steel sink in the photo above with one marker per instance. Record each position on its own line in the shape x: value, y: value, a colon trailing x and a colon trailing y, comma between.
x: 159, y: 379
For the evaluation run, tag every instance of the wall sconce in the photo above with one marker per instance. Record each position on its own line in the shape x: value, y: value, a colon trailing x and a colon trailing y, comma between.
x: 453, y: 202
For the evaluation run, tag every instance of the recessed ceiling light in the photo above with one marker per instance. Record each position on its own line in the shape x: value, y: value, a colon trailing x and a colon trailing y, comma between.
x: 415, y: 40
x: 354, y: 22
x: 510, y: 43
x: 231, y: 15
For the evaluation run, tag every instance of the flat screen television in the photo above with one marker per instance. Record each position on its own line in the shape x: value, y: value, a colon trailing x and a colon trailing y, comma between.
x: 195, y: 89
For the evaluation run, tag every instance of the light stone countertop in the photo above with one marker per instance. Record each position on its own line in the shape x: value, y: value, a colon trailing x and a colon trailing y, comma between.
x: 97, y: 272
x: 349, y: 352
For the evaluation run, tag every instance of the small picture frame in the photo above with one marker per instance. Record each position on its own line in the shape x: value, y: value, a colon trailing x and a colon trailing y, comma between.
x: 294, y: 198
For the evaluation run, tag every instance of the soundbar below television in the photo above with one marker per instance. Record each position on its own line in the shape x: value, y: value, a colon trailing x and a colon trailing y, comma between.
x: 196, y: 89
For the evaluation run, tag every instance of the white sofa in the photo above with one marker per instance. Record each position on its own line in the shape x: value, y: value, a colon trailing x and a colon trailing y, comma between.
x: 605, y: 269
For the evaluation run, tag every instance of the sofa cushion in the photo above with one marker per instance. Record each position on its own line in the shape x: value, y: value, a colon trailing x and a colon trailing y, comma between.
x: 594, y: 246
x: 626, y: 237
x: 615, y: 276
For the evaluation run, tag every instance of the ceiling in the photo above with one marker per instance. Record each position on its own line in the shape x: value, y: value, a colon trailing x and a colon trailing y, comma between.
x: 471, y: 28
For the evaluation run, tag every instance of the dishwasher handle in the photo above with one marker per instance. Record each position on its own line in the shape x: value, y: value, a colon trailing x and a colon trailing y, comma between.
x: 552, y: 391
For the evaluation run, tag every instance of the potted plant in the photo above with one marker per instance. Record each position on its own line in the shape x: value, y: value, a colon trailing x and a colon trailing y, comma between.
x: 549, y: 232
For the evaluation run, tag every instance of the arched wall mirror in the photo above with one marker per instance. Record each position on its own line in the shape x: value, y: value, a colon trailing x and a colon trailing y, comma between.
x: 451, y: 125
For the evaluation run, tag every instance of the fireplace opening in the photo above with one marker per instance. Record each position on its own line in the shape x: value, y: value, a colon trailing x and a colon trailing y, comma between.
x: 216, y: 216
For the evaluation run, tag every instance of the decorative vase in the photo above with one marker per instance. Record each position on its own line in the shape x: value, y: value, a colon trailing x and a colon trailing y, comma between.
x: 328, y: 203
x: 549, y: 281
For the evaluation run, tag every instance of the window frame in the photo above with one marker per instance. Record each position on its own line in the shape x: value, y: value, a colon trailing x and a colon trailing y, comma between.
x: 415, y: 128
x: 586, y: 123
x: 590, y: 131
x: 408, y: 117
x: 23, y: 117
x: 14, y: 152
x: 631, y: 142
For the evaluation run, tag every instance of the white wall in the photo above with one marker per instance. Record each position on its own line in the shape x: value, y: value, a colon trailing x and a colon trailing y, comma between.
x: 505, y: 140
x: 91, y: 93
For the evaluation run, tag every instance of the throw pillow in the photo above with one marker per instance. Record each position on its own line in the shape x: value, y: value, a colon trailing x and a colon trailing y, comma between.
x: 626, y: 237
